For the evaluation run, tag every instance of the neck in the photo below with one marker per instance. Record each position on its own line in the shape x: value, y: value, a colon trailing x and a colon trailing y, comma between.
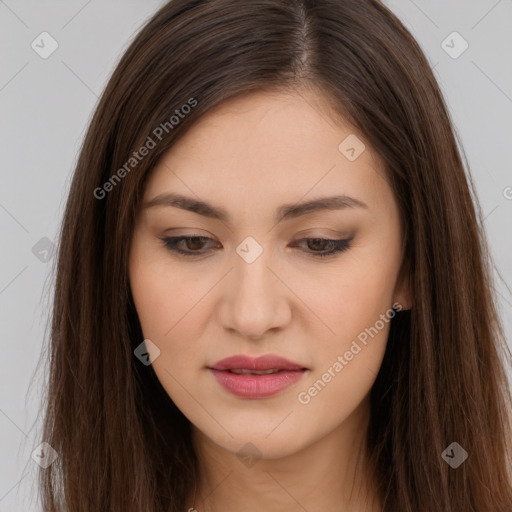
x: 329, y: 474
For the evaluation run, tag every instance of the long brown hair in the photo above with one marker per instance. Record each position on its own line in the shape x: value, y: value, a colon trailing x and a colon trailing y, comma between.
x: 122, y: 443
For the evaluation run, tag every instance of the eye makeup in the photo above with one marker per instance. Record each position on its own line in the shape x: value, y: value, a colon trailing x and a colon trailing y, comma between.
x: 193, y: 245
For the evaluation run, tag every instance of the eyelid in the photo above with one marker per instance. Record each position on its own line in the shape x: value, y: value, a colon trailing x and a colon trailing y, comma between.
x: 337, y: 245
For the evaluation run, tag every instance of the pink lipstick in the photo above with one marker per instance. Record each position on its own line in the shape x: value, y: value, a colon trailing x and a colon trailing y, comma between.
x: 259, y: 377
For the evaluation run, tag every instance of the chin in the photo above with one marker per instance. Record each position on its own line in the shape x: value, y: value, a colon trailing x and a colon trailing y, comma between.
x: 250, y: 445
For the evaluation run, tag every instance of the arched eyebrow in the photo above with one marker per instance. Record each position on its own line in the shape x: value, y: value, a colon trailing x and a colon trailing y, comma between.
x: 284, y: 212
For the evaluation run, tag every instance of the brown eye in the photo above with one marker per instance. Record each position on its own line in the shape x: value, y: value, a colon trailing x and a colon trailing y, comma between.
x: 317, y: 244
x: 323, y: 247
x: 193, y: 245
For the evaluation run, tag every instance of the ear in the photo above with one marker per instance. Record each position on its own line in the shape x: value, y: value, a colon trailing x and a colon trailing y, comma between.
x: 403, y: 289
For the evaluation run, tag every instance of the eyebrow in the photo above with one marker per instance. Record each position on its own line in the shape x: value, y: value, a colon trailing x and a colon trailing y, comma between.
x: 284, y: 212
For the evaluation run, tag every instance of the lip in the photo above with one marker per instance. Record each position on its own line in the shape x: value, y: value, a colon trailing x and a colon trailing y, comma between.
x: 266, y: 362
x: 256, y: 386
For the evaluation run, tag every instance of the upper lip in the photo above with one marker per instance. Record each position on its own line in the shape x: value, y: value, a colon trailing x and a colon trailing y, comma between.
x: 266, y: 362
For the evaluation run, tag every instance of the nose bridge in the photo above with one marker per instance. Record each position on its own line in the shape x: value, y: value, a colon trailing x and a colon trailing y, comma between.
x: 252, y: 279
x: 257, y: 300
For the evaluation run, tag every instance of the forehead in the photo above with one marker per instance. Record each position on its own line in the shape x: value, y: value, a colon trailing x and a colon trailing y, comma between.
x: 268, y: 147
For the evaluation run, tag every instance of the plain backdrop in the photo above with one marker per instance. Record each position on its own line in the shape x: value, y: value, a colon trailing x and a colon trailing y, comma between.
x: 46, y: 104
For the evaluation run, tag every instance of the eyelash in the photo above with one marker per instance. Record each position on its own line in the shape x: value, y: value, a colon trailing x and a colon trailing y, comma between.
x: 337, y: 246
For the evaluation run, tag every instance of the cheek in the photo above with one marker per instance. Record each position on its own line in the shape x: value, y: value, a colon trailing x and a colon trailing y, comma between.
x: 173, y: 309
x: 349, y: 298
x: 347, y: 363
x: 163, y: 297
x: 167, y: 311
x: 354, y: 301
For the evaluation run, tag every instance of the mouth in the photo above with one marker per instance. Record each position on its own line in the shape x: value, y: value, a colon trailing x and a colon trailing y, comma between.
x: 243, y: 371
x: 261, y: 377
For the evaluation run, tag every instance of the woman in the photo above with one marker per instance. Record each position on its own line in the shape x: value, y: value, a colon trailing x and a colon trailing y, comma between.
x: 273, y: 289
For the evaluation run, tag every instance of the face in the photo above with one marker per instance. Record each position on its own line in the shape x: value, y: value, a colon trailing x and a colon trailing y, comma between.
x: 255, y: 271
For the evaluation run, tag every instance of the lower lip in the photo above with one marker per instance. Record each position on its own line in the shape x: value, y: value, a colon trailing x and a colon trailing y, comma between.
x: 257, y: 386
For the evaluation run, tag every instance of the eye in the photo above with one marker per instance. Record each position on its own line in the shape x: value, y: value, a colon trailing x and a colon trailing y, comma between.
x: 324, y: 247
x: 194, y: 245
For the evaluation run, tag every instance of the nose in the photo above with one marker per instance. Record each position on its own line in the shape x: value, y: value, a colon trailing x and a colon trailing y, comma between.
x: 255, y: 300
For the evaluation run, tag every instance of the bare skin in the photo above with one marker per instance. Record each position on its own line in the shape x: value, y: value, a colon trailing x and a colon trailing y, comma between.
x: 250, y: 156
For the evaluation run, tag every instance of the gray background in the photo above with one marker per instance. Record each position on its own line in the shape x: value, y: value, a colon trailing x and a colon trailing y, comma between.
x: 47, y: 103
